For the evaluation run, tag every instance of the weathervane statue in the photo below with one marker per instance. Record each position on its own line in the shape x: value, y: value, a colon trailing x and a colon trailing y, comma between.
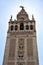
x: 22, y: 7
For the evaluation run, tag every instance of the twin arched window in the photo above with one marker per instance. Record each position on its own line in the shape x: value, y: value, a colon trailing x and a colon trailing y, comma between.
x: 14, y: 28
x: 29, y: 27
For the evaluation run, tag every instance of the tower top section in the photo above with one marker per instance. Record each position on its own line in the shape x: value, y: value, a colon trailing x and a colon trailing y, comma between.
x: 22, y: 22
x: 22, y: 14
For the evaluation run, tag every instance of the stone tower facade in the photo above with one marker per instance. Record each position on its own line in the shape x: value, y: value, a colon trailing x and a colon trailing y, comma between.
x: 21, y: 43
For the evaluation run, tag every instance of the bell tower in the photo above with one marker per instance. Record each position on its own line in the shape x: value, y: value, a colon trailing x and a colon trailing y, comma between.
x: 21, y: 43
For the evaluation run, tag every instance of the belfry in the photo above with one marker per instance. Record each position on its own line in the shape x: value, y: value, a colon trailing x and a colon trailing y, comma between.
x: 21, y: 43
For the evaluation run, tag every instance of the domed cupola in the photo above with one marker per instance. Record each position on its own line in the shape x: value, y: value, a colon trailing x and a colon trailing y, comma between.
x: 22, y: 15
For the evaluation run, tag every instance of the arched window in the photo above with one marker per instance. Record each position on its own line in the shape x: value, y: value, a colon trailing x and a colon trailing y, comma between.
x: 12, y: 27
x: 16, y: 27
x: 27, y: 27
x: 21, y: 26
x: 31, y: 27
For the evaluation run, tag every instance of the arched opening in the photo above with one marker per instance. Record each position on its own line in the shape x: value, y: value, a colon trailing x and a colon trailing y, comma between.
x: 12, y: 27
x: 16, y: 27
x: 31, y: 27
x: 27, y: 27
x: 21, y: 26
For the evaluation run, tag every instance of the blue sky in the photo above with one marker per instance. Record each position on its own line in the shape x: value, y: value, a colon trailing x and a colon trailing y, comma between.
x: 11, y: 7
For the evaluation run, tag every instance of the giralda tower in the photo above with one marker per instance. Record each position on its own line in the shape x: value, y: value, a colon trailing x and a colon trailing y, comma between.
x: 21, y: 43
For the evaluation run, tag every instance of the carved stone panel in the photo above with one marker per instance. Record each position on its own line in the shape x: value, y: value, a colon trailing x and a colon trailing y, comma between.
x: 21, y: 48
